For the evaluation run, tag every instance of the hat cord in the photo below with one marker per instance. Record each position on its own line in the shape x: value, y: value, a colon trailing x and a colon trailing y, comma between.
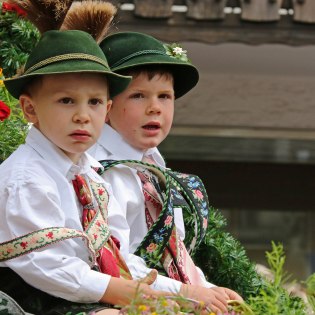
x: 74, y: 56
x: 138, y: 53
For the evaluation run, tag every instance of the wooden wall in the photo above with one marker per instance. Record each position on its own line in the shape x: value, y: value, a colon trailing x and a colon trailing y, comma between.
x: 291, y: 22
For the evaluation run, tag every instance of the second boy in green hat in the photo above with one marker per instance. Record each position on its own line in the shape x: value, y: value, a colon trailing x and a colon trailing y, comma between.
x: 139, y: 120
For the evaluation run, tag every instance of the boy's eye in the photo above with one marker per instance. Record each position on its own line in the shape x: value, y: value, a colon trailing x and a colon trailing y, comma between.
x: 66, y: 100
x: 165, y: 96
x: 136, y: 95
x: 95, y: 101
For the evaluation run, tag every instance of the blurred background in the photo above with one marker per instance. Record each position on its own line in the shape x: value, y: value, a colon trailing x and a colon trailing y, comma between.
x: 248, y: 128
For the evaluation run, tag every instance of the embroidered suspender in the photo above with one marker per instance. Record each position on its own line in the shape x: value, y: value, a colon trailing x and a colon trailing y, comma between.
x: 41, y: 238
x: 151, y: 247
x: 186, y: 191
x: 44, y: 237
x: 192, y: 190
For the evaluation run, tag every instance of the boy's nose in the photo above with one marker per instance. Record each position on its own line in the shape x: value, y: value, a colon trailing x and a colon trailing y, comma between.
x: 154, y: 107
x: 81, y: 115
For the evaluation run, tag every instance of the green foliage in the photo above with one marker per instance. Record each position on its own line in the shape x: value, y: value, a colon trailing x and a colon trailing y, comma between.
x: 273, y: 299
x: 223, y: 259
x: 13, y: 130
x: 17, y: 39
x: 143, y: 304
x: 310, y: 290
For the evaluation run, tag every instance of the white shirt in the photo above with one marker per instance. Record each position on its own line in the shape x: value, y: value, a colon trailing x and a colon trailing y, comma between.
x: 36, y: 192
x: 129, y: 225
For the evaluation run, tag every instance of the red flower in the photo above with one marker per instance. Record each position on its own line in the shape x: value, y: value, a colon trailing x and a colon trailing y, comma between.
x: 101, y: 192
x: 151, y: 248
x: 168, y: 221
x: 24, y: 244
x: 7, y: 7
x: 50, y: 235
x: 4, y: 111
x: 198, y: 193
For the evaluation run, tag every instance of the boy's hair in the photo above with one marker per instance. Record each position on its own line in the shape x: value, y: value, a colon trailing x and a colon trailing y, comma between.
x: 149, y: 70
x: 32, y: 84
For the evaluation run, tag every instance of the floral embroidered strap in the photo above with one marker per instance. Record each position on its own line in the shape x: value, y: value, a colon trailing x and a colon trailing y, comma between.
x: 178, y: 190
x: 188, y: 193
x: 155, y: 252
x: 94, y: 199
x: 41, y: 238
x: 96, y: 235
x: 175, y: 259
x: 191, y: 195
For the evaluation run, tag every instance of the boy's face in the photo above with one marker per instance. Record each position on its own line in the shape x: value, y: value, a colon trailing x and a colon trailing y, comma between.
x: 69, y: 109
x: 143, y: 113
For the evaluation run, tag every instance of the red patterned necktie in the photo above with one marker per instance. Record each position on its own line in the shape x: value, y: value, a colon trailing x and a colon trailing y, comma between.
x: 109, y: 259
x: 176, y: 259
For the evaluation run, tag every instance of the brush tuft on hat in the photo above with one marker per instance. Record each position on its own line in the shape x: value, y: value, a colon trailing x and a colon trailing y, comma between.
x: 93, y: 17
x: 46, y: 15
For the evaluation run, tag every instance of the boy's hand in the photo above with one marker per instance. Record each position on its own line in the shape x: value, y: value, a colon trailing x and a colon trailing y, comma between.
x: 215, y: 298
x: 150, y: 277
x: 121, y: 291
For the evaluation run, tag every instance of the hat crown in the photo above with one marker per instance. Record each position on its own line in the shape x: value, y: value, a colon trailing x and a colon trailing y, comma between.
x: 118, y: 47
x: 54, y: 44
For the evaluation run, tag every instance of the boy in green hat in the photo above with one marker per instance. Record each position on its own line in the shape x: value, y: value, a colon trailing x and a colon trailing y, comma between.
x: 139, y: 120
x: 57, y: 255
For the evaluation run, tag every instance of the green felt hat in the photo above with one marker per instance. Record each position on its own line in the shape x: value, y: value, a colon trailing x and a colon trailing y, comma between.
x: 70, y: 51
x: 127, y: 50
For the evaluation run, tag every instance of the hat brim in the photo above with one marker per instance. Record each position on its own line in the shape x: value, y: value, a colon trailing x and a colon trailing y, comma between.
x: 181, y: 70
x: 117, y: 83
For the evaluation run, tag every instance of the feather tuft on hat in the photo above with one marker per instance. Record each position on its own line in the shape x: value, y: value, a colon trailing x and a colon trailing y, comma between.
x: 93, y: 17
x: 46, y: 15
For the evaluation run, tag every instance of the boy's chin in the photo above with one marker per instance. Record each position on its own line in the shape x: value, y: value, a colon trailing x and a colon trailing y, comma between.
x: 144, y: 147
x: 148, y: 148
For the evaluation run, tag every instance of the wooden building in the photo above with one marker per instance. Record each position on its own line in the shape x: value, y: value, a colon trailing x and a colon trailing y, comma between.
x: 248, y: 128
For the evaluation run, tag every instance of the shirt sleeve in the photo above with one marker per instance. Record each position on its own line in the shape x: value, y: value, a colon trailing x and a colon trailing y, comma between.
x: 32, y: 202
x: 127, y: 218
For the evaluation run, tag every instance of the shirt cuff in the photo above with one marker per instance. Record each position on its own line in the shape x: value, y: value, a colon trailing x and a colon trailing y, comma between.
x: 163, y: 283
x: 93, y: 286
x: 205, y: 283
x: 139, y: 270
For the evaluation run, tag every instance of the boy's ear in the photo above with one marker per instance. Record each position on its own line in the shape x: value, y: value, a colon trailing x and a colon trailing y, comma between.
x: 109, y: 106
x: 28, y: 108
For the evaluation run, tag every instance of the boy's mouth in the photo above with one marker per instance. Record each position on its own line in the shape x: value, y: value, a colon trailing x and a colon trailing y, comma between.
x: 152, y: 126
x: 80, y: 134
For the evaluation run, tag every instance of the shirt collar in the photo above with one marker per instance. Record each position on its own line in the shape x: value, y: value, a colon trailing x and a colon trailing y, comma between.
x: 112, y: 141
x: 56, y: 158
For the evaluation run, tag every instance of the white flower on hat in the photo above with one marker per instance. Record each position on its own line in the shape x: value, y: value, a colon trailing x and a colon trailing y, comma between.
x: 179, y: 50
x: 176, y: 51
